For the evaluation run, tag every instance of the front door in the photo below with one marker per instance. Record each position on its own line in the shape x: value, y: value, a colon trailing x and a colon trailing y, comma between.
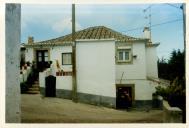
x: 42, y: 59
x: 124, y: 97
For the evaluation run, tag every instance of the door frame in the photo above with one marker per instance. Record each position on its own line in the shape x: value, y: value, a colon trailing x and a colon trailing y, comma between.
x: 35, y: 53
x: 40, y: 49
x: 42, y: 55
x: 132, y: 86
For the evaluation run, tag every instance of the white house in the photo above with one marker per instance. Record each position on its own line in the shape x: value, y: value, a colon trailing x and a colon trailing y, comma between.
x: 110, y: 66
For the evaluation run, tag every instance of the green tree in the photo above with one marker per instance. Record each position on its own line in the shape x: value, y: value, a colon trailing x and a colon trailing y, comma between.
x: 174, y: 67
x: 173, y: 70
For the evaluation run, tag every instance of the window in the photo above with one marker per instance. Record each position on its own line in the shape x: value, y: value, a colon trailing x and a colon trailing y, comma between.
x: 39, y: 57
x: 46, y: 56
x: 42, y: 56
x: 124, y: 54
x: 66, y: 58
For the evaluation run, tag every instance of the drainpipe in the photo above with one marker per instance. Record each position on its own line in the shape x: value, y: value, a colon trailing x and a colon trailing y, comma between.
x: 121, y: 78
x: 74, y: 80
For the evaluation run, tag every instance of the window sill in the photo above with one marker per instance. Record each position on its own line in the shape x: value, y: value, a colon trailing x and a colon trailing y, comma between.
x: 123, y: 62
x: 127, y: 61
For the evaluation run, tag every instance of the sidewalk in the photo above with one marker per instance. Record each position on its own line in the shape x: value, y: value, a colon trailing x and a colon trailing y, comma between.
x: 38, y: 109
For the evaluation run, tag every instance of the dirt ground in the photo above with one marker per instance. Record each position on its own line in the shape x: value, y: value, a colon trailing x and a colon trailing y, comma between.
x: 37, y: 109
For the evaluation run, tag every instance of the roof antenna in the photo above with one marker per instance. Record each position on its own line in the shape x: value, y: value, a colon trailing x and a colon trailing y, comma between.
x: 149, y: 17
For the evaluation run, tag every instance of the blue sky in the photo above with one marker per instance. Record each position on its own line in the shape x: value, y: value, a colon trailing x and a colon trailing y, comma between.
x: 50, y: 21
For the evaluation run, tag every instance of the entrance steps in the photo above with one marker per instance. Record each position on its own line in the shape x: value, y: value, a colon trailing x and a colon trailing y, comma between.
x: 34, y: 89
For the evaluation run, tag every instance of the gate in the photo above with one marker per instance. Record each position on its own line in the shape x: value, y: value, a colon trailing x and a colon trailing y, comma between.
x: 50, y: 86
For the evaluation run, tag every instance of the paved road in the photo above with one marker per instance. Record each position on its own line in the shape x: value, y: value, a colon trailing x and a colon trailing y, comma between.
x: 37, y: 109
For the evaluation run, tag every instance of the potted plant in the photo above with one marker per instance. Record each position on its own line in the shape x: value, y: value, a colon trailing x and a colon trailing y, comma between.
x: 57, y: 73
x: 28, y: 63
x: 25, y: 66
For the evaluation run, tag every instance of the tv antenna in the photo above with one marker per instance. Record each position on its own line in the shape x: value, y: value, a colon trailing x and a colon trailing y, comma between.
x: 149, y: 17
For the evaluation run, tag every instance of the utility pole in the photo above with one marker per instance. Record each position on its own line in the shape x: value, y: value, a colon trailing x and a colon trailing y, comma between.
x: 74, y: 76
x: 183, y: 7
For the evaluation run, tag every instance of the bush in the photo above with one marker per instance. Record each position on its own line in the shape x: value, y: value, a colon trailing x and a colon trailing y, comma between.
x: 174, y: 94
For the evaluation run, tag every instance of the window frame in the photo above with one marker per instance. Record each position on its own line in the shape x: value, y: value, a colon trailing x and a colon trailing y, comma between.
x: 124, y: 49
x: 63, y: 59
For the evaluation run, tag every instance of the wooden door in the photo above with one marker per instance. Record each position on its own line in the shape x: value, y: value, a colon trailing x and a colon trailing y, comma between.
x: 42, y: 59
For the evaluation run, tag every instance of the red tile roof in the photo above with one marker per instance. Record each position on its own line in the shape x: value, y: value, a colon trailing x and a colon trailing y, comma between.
x: 97, y: 32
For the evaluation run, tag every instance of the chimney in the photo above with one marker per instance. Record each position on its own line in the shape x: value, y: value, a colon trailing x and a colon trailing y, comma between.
x: 30, y: 40
x: 146, y: 33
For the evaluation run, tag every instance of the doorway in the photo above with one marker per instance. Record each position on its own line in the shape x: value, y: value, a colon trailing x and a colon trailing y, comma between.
x: 42, y: 59
x: 124, y: 97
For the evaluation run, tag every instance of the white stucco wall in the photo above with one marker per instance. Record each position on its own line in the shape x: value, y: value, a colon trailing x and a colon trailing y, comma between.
x: 151, y: 61
x: 136, y: 73
x: 64, y: 82
x: 43, y: 75
x: 95, y: 63
x: 136, y: 69
x: 143, y: 88
x: 56, y: 54
x: 29, y: 54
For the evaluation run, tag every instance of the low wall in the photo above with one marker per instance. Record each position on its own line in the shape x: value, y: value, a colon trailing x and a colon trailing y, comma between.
x: 42, y: 76
x: 64, y: 90
x: 171, y: 114
x: 25, y: 74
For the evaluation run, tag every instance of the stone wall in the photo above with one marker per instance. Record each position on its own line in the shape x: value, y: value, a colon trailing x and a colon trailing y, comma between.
x: 171, y: 114
x: 12, y: 41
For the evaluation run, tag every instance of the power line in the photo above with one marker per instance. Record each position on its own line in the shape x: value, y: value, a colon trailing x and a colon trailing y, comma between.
x: 147, y: 8
x: 167, y: 22
x: 174, y: 6
x: 154, y: 25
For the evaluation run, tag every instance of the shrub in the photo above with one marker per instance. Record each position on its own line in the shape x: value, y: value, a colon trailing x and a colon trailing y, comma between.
x: 174, y: 94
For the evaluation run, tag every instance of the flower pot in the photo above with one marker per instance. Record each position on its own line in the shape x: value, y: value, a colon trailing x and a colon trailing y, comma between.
x: 57, y: 73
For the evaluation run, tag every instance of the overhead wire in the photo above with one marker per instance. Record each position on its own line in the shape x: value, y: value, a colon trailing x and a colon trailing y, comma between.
x: 167, y: 22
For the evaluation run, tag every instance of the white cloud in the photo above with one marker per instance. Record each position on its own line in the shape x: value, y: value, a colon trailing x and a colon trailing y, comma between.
x: 65, y: 25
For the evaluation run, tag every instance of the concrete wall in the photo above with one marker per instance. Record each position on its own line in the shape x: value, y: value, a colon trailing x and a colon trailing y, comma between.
x: 151, y: 61
x: 136, y: 69
x: 95, y: 63
x: 12, y: 41
x: 171, y: 114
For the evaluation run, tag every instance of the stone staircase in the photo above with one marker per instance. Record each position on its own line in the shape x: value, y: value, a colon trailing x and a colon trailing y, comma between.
x: 34, y: 89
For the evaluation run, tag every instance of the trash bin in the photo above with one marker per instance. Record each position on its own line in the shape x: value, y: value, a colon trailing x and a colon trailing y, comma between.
x: 157, y: 102
x: 50, y: 86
